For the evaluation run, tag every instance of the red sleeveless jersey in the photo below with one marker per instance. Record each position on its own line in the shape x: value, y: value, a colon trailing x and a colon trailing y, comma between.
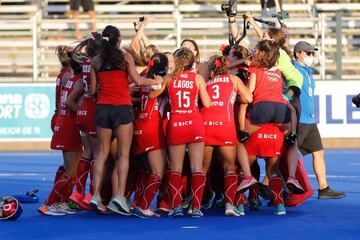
x: 183, y: 94
x: 150, y: 108
x: 219, y: 118
x: 268, y: 85
x: 114, y: 87
x: 69, y: 87
x: 58, y: 87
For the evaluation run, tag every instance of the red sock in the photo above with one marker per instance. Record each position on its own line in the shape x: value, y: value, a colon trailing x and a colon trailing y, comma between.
x: 82, y: 174
x: 197, y: 189
x: 240, y: 199
x: 91, y: 170
x: 175, y: 187
x: 60, y: 189
x: 276, y: 190
x: 152, y: 185
x: 230, y: 185
x: 164, y: 194
x: 60, y: 171
x: 254, y: 191
x: 140, y: 186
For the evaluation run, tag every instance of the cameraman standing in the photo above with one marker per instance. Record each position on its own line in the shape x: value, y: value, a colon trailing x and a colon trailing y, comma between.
x: 270, y: 7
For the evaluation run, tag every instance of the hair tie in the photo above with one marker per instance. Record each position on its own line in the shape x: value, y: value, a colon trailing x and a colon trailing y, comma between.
x: 90, y: 36
x: 150, y: 63
x: 218, y: 63
x: 106, y: 38
x: 223, y: 47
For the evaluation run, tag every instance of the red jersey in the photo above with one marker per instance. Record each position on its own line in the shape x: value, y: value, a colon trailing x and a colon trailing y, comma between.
x: 58, y: 88
x: 114, y: 86
x: 183, y: 93
x: 69, y: 87
x: 268, y: 85
x: 219, y: 118
x: 149, y: 107
x: 86, y: 68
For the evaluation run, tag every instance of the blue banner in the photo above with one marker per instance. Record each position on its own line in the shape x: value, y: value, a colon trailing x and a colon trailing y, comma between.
x: 26, y: 111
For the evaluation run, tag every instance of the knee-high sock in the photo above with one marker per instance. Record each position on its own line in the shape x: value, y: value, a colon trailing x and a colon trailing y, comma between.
x: 164, y: 194
x: 60, y: 190
x: 197, y: 189
x: 230, y: 184
x: 175, y: 189
x: 82, y: 174
x: 254, y: 191
x: 239, y: 199
x: 152, y: 185
x: 91, y: 170
x: 184, y: 182
x: 140, y: 186
x: 276, y: 190
x: 60, y: 171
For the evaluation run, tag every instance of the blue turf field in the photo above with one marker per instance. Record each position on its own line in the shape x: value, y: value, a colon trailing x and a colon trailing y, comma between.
x: 316, y: 219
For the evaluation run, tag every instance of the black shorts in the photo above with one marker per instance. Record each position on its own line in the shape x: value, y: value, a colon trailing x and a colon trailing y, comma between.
x: 87, y: 5
x: 111, y: 116
x: 309, y: 139
x: 270, y: 112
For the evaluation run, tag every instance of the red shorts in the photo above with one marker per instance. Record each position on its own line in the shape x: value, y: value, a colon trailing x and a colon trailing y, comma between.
x: 66, y: 135
x: 148, y: 136
x: 219, y: 132
x: 185, y: 128
x: 86, y: 115
x: 266, y: 142
x: 53, y: 121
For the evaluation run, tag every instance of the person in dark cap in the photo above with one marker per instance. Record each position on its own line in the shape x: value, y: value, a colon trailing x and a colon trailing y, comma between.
x: 309, y: 139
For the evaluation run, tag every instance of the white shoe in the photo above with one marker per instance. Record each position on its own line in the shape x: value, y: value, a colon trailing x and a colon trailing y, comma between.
x: 230, y: 210
x: 51, y: 210
x: 121, y: 204
x: 65, y: 208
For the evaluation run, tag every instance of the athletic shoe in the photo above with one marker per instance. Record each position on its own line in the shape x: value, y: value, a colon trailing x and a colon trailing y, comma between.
x: 329, y: 193
x: 50, y: 210
x: 65, y: 208
x: 113, y: 208
x: 231, y: 210
x: 96, y: 204
x: 196, y: 213
x: 122, y: 205
x: 189, y: 211
x: 280, y: 210
x: 255, y: 204
x: 220, y: 203
x: 246, y: 183
x: 240, y: 209
x: 176, y: 212
x: 207, y: 203
x: 294, y: 186
x: 85, y: 203
x: 186, y: 201
x: 144, y: 213
x: 264, y: 191
x: 74, y: 206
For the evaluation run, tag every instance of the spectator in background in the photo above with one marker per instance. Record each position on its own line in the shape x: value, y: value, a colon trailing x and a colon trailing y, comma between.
x: 88, y: 6
x: 270, y: 7
x: 309, y: 140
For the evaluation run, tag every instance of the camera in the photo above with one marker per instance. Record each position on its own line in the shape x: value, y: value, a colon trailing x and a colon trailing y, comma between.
x: 230, y: 8
x: 356, y: 100
x: 281, y: 15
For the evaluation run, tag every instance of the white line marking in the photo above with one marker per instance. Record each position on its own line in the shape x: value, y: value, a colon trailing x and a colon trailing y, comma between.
x: 190, y: 227
x: 24, y: 174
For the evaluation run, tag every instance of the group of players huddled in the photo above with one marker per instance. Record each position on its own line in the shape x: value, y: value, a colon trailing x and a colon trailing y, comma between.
x: 142, y: 122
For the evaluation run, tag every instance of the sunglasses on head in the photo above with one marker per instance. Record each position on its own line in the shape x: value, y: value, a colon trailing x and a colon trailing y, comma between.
x: 310, y: 53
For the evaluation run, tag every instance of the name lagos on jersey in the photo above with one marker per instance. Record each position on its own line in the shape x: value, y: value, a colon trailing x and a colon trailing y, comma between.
x: 183, y: 84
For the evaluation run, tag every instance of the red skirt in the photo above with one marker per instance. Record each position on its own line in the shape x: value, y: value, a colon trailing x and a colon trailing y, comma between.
x: 66, y: 135
x: 86, y: 115
x: 185, y: 128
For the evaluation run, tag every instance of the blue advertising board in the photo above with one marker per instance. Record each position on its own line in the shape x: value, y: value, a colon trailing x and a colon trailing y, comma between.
x: 26, y: 111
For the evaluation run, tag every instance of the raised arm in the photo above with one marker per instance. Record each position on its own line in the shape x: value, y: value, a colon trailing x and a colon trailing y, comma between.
x: 252, y: 22
x: 134, y: 75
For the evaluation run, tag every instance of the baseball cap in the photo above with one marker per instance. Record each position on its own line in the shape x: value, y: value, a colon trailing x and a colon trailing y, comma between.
x: 304, y: 46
